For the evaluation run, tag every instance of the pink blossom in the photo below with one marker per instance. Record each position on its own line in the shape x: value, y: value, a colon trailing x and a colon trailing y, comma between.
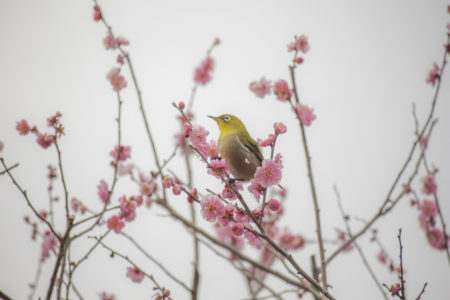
x: 426, y: 222
x: 207, y: 64
x: 148, y: 188
x: 97, y: 13
x: 423, y: 140
x: 187, y: 129
x: 125, y: 152
x: 428, y: 208
x: 302, y: 44
x: 181, y: 105
x: 226, y: 236
x: 241, y: 217
x: 256, y: 189
x: 74, y: 204
x: 198, y: 139
x: 117, y: 81
x: 45, y: 140
x: 289, y: 241
x: 291, y: 46
x: 433, y: 75
x: 23, y: 128
x: 109, y: 41
x: 213, y: 150
x: 53, y: 121
x: 299, y: 60
x: 120, y: 59
x: 436, y: 238
x: 305, y: 114
x: 282, y: 91
x: 134, y: 274
x: 127, y: 208
x: 194, y: 194
x: 261, y: 87
x: 49, y: 243
x: 1, y: 146
x: 237, y: 229
x: 381, y: 256
x: 125, y: 169
x: 269, y: 173
x: 201, y: 76
x: 103, y: 191
x: 274, y: 205
x: 115, y: 223
x: 202, y: 73
x: 252, y: 239
x: 167, y: 182
x: 228, y: 193
x: 280, y: 128
x: 176, y: 189
x: 121, y: 41
x: 429, y: 185
x: 219, y: 169
x: 212, y: 208
x: 268, y: 141
x: 343, y: 238
x: 395, y: 289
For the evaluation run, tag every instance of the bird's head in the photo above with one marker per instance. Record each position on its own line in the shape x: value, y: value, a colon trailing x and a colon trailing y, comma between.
x: 227, y: 123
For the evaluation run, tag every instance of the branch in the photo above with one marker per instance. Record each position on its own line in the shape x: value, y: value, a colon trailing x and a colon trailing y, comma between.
x: 61, y: 256
x: 24, y: 193
x: 382, y: 211
x: 160, y: 288
x: 402, y: 281
x: 242, y: 256
x: 427, y: 126
x: 361, y: 253
x: 9, y: 169
x: 63, y: 181
x: 156, y: 262
x: 312, y: 186
x: 423, y: 291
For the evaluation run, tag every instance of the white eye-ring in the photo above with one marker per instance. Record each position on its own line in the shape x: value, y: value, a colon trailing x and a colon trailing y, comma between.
x: 226, y: 118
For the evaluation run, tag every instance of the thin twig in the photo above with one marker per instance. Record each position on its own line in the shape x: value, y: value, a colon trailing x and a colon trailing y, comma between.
x: 156, y: 262
x: 402, y: 280
x: 63, y: 180
x: 383, y: 209
x: 312, y: 186
x: 423, y: 291
x: 427, y: 126
x: 149, y: 276
x: 361, y: 253
x: 24, y: 193
x: 61, y: 256
x: 9, y: 169
x: 242, y: 256
x: 115, y: 177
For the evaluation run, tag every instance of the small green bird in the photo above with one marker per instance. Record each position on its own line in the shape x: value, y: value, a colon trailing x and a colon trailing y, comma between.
x: 242, y: 154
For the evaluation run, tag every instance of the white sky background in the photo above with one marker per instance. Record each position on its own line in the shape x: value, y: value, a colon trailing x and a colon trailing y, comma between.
x: 367, y: 65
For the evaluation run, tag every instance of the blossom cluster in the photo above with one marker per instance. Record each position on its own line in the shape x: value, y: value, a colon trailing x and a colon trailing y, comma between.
x: 281, y: 88
x: 44, y: 140
x: 202, y: 74
x: 428, y: 212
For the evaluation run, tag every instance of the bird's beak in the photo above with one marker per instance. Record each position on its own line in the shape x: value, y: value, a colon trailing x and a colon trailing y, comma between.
x: 214, y: 118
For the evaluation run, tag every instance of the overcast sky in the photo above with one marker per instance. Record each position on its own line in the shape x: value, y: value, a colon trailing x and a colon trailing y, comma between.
x: 366, y: 67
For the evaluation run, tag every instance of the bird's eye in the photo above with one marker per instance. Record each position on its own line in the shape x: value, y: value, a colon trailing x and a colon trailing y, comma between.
x: 226, y: 118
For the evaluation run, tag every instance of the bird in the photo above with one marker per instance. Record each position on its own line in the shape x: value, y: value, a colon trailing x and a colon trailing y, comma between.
x: 241, y: 152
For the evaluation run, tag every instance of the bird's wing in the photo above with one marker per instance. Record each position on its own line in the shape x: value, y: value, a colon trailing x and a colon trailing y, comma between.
x: 253, y: 146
